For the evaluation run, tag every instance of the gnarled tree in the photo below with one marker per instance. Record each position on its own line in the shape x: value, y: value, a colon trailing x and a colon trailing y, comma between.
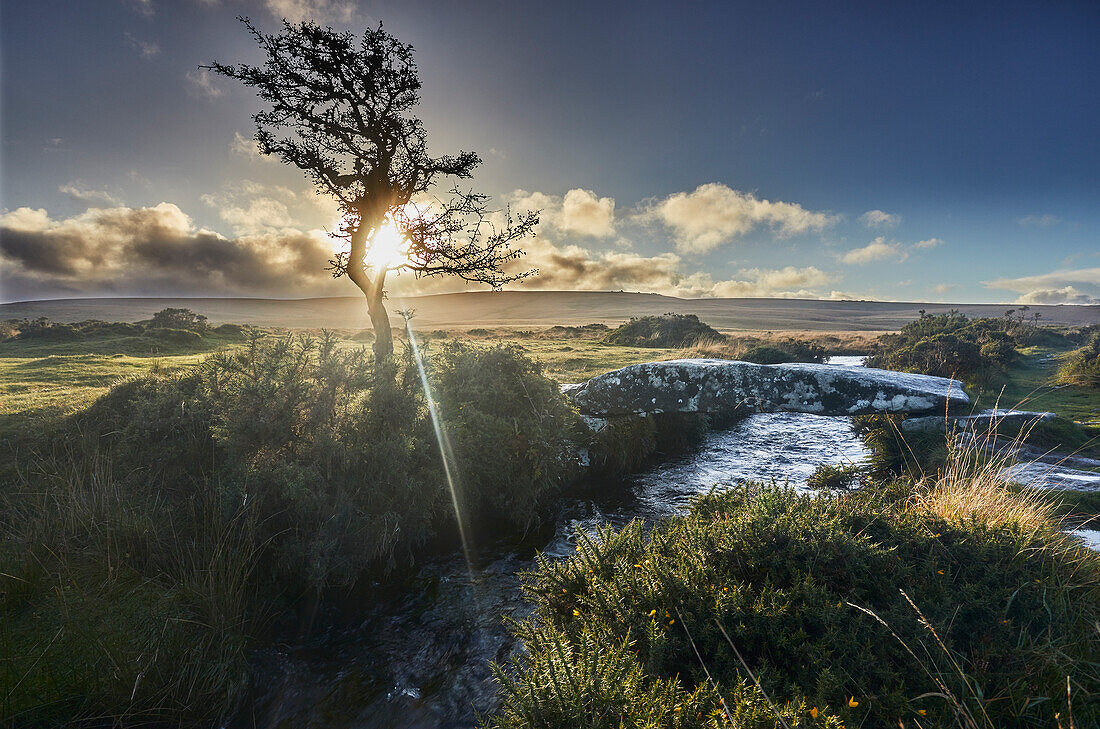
x: 340, y: 109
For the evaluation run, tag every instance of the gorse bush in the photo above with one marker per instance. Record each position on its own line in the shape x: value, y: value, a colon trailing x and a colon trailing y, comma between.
x: 789, y: 350
x: 668, y: 330
x: 948, y: 345
x: 1082, y: 365
x: 178, y: 515
x: 170, y: 318
x: 629, y: 631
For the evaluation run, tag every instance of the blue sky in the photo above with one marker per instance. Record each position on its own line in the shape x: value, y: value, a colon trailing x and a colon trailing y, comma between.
x: 907, y: 151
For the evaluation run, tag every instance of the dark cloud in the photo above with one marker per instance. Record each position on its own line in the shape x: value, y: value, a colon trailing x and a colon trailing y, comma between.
x: 154, y: 251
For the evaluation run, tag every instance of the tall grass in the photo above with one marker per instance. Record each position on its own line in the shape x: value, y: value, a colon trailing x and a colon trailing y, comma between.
x: 953, y: 601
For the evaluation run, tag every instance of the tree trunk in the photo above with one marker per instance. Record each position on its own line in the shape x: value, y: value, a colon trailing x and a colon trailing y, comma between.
x: 372, y: 288
x: 380, y: 320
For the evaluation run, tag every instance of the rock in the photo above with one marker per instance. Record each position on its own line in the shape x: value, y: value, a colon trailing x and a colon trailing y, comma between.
x: 727, y: 386
x: 980, y: 422
x: 1047, y: 476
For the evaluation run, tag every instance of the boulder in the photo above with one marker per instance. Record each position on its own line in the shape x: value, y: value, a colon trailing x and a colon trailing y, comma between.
x: 728, y: 386
x: 979, y: 422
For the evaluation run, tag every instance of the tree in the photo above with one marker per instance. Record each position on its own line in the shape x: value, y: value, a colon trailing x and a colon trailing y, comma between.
x: 340, y: 109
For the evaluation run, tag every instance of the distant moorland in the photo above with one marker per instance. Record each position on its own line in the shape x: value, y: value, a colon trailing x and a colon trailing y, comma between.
x: 537, y: 309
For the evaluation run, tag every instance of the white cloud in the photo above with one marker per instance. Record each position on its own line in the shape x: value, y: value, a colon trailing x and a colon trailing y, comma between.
x: 201, y: 84
x: 321, y: 11
x: 714, y: 214
x: 147, y: 49
x: 1075, y: 286
x: 1064, y: 295
x: 876, y: 250
x: 879, y: 219
x: 584, y: 213
x: 1041, y: 221
x: 82, y: 193
x: 143, y: 7
x: 926, y: 244
x: 580, y: 212
x: 943, y: 288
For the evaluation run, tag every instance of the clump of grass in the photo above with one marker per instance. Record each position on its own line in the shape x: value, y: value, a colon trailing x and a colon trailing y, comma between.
x: 1082, y: 366
x: 787, y: 578
x: 835, y: 477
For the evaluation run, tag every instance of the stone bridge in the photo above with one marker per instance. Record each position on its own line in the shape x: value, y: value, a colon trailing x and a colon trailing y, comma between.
x: 726, y: 387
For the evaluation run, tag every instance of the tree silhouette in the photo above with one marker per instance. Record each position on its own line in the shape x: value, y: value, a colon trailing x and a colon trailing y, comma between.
x: 340, y: 109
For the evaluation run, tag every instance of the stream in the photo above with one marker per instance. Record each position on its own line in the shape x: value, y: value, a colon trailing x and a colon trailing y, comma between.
x: 420, y: 658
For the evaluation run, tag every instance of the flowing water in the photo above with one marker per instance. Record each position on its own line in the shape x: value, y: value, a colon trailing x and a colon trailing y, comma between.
x: 420, y: 657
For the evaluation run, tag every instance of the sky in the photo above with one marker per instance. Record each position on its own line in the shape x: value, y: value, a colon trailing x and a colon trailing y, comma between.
x: 936, y: 151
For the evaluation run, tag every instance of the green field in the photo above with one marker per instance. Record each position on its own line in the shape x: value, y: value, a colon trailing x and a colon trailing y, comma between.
x: 1028, y: 385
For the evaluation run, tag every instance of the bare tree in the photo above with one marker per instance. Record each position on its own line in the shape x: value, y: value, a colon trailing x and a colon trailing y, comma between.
x: 340, y: 109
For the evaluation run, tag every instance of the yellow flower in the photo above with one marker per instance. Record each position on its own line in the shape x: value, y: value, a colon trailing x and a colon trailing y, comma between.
x: 813, y: 713
x: 922, y: 712
x: 670, y: 622
x: 852, y: 702
x: 576, y: 613
x: 939, y: 572
x: 564, y: 590
x: 652, y: 613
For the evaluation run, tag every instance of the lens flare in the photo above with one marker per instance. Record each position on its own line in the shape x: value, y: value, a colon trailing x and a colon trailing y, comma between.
x: 449, y: 470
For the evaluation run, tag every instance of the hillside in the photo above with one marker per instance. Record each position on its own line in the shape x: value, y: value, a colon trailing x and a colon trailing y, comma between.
x: 533, y: 309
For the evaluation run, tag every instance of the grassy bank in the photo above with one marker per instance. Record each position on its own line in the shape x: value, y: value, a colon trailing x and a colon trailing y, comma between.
x: 954, y: 605
x: 150, y: 539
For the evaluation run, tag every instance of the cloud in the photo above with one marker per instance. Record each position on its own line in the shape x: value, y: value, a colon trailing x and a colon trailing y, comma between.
x: 81, y: 193
x: 876, y: 250
x: 943, y: 288
x: 322, y: 11
x: 253, y: 208
x: 143, y: 7
x: 147, y: 49
x: 580, y: 212
x: 572, y: 267
x: 879, y: 219
x: 584, y: 213
x: 926, y: 244
x: 1064, y: 295
x: 714, y: 214
x: 201, y: 84
x: 154, y: 251
x: 1040, y: 221
x: 1076, y: 286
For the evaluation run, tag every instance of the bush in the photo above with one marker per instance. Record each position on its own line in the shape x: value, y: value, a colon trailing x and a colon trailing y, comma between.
x: 829, y: 477
x: 44, y: 330
x: 510, y: 429
x: 175, y: 337
x: 669, y: 330
x: 1082, y: 365
x: 629, y: 631
x: 170, y: 318
x: 174, y: 518
x: 790, y: 350
x: 949, y: 345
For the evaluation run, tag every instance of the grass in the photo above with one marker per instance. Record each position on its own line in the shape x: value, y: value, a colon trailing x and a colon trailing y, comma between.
x: 1029, y: 384
x: 959, y: 604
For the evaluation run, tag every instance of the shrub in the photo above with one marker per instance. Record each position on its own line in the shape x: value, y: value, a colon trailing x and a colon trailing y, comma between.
x: 167, y: 523
x: 510, y: 429
x: 1082, y: 366
x: 235, y: 331
x: 842, y: 477
x: 669, y: 330
x: 175, y: 337
x: 948, y: 345
x: 790, y: 350
x: 44, y: 330
x: 994, y: 616
x: 170, y: 318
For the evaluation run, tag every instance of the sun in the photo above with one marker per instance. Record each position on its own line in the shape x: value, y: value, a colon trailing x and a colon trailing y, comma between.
x: 388, y: 247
